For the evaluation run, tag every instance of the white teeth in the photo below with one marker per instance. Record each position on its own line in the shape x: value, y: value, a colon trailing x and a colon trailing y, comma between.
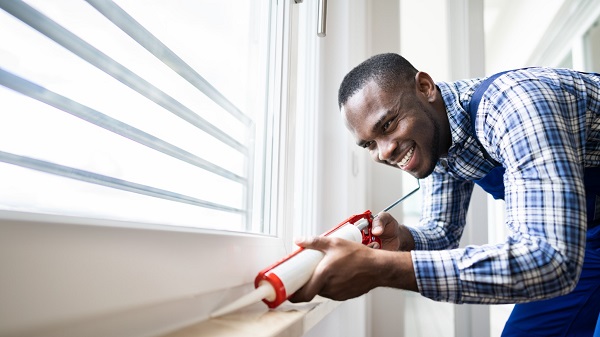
x: 406, y: 158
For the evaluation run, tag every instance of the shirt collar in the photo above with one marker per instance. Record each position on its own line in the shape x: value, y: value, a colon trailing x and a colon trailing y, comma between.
x: 456, y: 96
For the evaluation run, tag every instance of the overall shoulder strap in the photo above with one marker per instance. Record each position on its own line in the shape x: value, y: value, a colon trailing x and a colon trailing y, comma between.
x: 474, y: 105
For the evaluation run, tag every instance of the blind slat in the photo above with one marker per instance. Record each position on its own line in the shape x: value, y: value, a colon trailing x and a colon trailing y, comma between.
x: 79, y: 47
x: 103, y: 180
x: 76, y: 109
x: 147, y: 40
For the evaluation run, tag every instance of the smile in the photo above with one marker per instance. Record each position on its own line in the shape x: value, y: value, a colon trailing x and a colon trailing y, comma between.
x: 407, y: 157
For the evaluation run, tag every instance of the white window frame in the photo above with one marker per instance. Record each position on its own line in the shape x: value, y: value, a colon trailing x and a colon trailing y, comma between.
x: 78, y: 276
x: 565, y: 35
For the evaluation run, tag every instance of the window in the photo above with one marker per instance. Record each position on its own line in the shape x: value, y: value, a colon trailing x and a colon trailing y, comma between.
x: 591, y: 46
x: 165, y: 125
x: 145, y: 157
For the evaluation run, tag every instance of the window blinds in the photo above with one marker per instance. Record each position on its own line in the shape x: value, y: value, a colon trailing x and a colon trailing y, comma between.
x: 182, y: 172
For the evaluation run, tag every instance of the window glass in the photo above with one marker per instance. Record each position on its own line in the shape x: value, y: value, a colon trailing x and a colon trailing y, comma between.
x: 566, y: 62
x: 591, y: 45
x: 146, y: 111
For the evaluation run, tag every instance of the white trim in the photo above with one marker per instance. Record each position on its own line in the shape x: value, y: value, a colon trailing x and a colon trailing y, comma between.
x: 466, y: 41
x: 58, y: 270
x: 467, y: 50
x: 305, y: 85
x: 286, y: 114
x: 578, y: 53
x: 573, y: 19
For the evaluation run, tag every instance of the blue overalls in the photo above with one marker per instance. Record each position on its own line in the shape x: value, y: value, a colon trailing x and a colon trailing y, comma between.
x: 573, y: 314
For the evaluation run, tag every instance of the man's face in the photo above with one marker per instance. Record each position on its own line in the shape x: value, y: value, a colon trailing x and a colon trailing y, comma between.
x: 399, y: 128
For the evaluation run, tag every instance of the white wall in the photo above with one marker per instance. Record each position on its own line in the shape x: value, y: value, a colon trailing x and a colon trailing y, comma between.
x: 423, y: 38
x: 513, y: 30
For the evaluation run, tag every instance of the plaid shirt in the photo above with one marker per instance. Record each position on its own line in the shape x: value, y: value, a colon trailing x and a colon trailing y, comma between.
x: 543, y: 126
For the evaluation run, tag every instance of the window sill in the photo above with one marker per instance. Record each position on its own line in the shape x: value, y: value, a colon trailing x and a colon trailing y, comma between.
x: 289, y: 320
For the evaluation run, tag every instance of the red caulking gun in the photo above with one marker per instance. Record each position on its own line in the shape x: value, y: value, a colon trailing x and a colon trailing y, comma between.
x: 276, y: 283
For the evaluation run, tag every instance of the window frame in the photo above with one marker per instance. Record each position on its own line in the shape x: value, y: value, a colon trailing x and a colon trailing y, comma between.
x: 66, y: 274
x: 565, y: 35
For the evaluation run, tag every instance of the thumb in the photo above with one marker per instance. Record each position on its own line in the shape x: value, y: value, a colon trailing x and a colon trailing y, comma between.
x: 377, y: 226
x: 316, y: 242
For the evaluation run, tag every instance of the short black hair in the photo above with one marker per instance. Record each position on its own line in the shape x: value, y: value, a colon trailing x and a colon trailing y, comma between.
x: 387, y: 70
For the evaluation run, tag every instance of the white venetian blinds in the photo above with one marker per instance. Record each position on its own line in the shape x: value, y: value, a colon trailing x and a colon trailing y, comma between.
x: 146, y: 111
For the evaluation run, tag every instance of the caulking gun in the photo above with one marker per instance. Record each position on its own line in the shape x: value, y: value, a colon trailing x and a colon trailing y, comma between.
x: 278, y: 282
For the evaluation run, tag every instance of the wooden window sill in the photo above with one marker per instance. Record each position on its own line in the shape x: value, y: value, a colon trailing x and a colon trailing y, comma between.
x: 289, y: 320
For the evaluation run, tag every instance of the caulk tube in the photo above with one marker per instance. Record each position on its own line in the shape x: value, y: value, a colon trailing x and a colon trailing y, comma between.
x: 291, y: 273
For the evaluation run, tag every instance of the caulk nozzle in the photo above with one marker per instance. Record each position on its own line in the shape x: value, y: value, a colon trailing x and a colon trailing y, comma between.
x: 265, y: 290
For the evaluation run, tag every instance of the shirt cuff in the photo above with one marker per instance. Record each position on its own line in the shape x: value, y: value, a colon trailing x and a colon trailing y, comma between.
x: 419, y: 238
x: 437, y: 275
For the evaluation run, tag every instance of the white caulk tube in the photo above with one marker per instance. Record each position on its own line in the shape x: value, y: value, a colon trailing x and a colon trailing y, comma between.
x: 279, y: 281
x: 290, y: 275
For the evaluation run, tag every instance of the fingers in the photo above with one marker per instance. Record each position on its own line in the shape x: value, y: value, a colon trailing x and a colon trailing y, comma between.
x: 317, y: 242
x: 334, y: 274
x: 306, y: 293
x: 317, y: 282
x: 313, y: 287
x: 380, y: 222
x: 374, y: 245
x: 377, y: 228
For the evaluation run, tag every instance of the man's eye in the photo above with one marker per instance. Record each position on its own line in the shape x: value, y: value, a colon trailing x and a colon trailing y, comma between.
x: 388, y: 124
x: 367, y: 145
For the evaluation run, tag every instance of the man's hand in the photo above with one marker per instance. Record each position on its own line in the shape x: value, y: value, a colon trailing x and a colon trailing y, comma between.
x: 348, y: 270
x: 393, y: 237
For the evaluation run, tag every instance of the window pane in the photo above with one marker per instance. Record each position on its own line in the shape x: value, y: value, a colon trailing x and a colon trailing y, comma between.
x: 591, y: 43
x: 115, y: 132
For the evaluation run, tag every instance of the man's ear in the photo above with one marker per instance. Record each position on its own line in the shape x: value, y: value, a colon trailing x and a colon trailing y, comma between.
x: 425, y: 85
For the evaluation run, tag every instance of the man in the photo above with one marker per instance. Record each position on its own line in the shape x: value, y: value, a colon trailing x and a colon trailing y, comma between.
x: 533, y: 140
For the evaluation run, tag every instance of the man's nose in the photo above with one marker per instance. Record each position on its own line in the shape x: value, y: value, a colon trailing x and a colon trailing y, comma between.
x: 386, y: 150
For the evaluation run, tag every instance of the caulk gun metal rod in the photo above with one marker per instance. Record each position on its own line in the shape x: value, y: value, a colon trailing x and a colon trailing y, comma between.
x: 401, y: 199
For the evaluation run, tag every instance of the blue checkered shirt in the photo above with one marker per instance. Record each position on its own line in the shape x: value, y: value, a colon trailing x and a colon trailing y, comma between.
x: 543, y: 126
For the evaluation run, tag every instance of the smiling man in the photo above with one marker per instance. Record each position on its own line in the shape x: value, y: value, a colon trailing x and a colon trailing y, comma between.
x: 530, y: 137
x: 376, y: 117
